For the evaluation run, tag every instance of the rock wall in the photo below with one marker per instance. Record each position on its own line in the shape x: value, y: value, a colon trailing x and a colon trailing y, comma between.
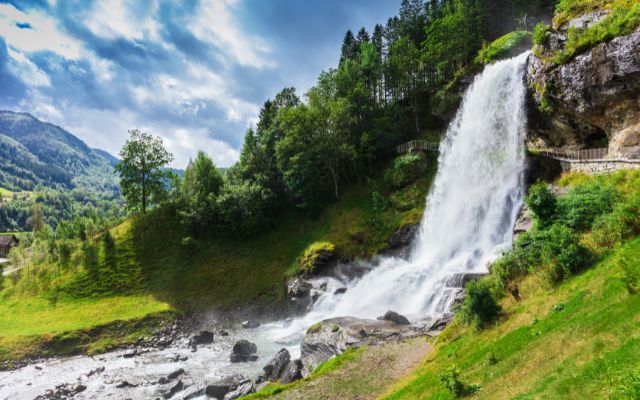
x: 598, y: 167
x: 594, y: 98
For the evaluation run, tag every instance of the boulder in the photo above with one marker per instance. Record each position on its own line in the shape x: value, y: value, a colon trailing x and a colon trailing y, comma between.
x: 403, y: 237
x: 395, y: 318
x: 175, y: 374
x: 318, y: 258
x: 274, y: 369
x: 292, y: 372
x: 524, y: 221
x: 171, y: 390
x: 340, y: 290
x: 244, y: 351
x: 460, y: 280
x: 129, y: 353
x: 202, y: 337
x: 242, y: 390
x: 442, y: 322
x: 332, y: 337
x: 221, y: 388
x: 250, y: 324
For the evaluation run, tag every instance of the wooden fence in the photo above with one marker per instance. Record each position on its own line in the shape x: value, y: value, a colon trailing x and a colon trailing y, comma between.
x: 417, y: 145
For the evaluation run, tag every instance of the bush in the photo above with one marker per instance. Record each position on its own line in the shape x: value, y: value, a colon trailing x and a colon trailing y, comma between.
x: 583, y: 204
x: 630, y: 274
x: 480, y: 306
x: 406, y: 169
x: 541, y: 34
x: 542, y: 202
x: 451, y: 380
x: 243, y: 208
x: 562, y: 253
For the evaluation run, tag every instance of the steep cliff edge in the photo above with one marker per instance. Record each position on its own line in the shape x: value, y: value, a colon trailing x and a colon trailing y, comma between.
x: 591, y: 99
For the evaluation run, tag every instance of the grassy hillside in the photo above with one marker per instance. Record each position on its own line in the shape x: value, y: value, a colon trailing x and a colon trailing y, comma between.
x: 579, y: 340
x: 151, y: 265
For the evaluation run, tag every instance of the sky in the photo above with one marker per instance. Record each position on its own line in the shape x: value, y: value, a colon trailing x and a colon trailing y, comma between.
x: 192, y: 72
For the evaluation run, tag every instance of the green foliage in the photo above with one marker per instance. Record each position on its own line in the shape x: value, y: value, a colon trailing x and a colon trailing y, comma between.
x: 621, y: 224
x: 630, y: 274
x: 480, y: 306
x: 242, y: 208
x: 141, y: 175
x: 580, y: 207
x: 503, y: 46
x: 542, y: 202
x: 541, y: 34
x: 450, y: 378
x: 406, y: 169
x: 623, y: 19
x: 628, y: 386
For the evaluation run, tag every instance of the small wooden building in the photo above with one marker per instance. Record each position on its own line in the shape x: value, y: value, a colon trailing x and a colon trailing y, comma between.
x: 6, y: 243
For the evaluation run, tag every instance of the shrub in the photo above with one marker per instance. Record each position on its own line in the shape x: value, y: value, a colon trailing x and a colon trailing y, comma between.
x: 243, y: 208
x: 580, y: 207
x: 480, y: 306
x: 562, y: 253
x: 451, y: 380
x: 406, y: 169
x: 542, y: 202
x: 630, y: 274
x: 541, y: 34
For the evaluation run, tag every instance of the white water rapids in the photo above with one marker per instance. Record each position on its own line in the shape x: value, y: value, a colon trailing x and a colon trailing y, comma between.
x: 468, y: 221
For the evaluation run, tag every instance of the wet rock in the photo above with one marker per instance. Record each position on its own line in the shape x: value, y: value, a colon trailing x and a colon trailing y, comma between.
x: 221, y: 388
x: 244, y: 351
x: 98, y: 370
x: 192, y: 392
x: 242, y: 390
x: 292, y: 372
x: 202, y: 337
x: 299, y: 293
x: 130, y: 353
x: 250, y: 324
x: 169, y: 392
x: 125, y: 384
x: 340, y: 290
x: 461, y: 279
x: 402, y: 237
x: 395, y: 318
x: 175, y: 374
x: 275, y: 368
x: 223, y: 333
x: 442, y: 322
x: 524, y: 221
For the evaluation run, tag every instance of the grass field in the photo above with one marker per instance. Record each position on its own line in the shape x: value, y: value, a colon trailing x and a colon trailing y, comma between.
x: 580, y: 340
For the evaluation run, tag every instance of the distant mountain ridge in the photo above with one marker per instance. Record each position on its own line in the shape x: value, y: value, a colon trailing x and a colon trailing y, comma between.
x: 33, y: 152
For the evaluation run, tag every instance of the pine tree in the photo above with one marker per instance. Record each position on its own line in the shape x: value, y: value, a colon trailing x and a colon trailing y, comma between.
x: 349, y: 47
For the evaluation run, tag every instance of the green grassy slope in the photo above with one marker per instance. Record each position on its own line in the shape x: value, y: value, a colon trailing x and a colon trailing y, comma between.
x: 586, y: 348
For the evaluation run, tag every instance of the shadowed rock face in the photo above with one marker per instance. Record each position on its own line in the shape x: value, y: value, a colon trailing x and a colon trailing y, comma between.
x: 595, y: 96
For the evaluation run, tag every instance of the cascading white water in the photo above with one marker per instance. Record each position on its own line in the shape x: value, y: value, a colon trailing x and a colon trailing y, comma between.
x: 469, y: 214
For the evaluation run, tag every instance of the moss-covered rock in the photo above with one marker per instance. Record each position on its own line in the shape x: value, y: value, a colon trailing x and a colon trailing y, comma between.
x: 317, y: 257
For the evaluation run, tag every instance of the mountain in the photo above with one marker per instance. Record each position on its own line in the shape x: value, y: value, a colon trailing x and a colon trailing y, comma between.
x: 33, y: 152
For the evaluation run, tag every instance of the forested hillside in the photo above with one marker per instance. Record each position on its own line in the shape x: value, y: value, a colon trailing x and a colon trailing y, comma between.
x: 38, y: 153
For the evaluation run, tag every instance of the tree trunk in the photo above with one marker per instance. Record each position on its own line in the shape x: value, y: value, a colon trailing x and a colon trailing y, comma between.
x: 335, y: 182
x: 144, y: 195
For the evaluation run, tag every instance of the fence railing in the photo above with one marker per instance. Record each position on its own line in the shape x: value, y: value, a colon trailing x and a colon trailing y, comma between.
x: 624, y: 153
x: 417, y: 145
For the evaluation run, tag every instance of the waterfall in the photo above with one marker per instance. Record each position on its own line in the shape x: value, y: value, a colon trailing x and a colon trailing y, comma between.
x: 469, y: 214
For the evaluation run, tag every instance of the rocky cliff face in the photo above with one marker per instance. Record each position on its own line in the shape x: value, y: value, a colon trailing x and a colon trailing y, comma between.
x: 594, y: 99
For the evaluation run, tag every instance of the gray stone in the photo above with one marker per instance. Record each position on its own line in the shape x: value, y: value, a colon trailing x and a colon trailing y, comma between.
x: 274, y: 369
x: 395, y: 318
x: 292, y: 372
x: 202, y: 337
x: 250, y: 324
x: 244, y: 351
x: 221, y: 388
x: 172, y: 389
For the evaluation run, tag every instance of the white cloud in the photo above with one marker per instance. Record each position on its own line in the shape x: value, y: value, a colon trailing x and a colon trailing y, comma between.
x: 43, y: 34
x: 113, y: 19
x: 26, y: 70
x: 214, y: 23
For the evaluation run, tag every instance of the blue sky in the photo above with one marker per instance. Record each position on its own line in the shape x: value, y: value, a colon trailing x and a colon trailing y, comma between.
x: 193, y: 72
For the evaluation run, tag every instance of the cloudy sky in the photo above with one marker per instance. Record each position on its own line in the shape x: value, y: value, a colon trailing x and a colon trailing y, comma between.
x: 193, y: 72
